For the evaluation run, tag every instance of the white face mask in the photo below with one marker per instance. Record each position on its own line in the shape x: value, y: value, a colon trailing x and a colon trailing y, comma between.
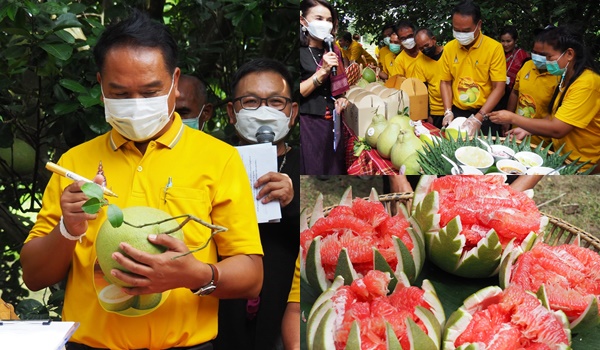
x: 464, y: 38
x: 319, y: 29
x: 194, y: 123
x: 248, y: 121
x: 409, y: 43
x: 138, y: 119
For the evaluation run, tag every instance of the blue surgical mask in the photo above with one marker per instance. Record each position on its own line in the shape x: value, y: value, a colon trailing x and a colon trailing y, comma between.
x: 386, y: 41
x: 538, y: 60
x: 395, y: 48
x: 554, y: 68
x: 194, y: 122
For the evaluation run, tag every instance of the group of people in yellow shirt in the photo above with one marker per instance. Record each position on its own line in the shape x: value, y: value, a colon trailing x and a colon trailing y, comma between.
x: 556, y: 94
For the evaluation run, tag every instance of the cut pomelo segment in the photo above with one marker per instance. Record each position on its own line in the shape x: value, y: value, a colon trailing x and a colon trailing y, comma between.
x: 363, y: 316
x: 466, y: 221
x: 567, y: 277
x: 509, y: 319
x: 358, y: 236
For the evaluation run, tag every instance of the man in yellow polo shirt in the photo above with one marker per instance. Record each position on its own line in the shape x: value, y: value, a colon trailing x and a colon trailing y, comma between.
x: 389, y: 61
x: 353, y: 51
x: 473, y: 71
x: 150, y: 159
x: 405, y: 62
x: 429, y: 70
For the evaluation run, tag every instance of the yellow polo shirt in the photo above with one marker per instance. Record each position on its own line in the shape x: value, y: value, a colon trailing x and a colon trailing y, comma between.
x: 380, y: 53
x: 581, y: 109
x: 356, y: 52
x: 429, y: 71
x: 294, y: 296
x: 535, y: 91
x: 405, y: 65
x: 388, y: 63
x: 472, y: 71
x: 208, y: 181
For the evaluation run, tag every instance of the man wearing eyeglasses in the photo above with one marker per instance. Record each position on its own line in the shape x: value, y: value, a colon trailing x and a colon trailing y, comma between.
x: 262, y: 97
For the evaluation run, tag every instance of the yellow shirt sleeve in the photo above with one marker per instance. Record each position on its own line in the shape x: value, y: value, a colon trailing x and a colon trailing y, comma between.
x: 294, y: 296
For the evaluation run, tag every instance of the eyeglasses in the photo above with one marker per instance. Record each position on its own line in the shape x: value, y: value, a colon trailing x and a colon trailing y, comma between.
x: 252, y: 102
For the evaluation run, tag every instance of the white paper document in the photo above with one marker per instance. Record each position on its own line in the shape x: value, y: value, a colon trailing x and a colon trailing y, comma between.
x: 39, y: 335
x: 259, y: 159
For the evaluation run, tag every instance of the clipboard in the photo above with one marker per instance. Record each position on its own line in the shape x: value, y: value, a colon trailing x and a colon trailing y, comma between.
x: 337, y: 129
x: 36, y: 334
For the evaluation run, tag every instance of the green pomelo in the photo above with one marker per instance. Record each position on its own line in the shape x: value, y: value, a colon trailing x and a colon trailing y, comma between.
x: 375, y: 129
x: 112, y: 298
x: 403, y: 121
x: 472, y: 96
x: 21, y: 157
x: 362, y: 82
x: 109, y: 238
x: 369, y: 75
x: 491, y: 317
x: 387, y: 139
x: 147, y: 301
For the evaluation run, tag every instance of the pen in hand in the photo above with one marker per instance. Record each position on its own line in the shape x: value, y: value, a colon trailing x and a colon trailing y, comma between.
x: 57, y: 169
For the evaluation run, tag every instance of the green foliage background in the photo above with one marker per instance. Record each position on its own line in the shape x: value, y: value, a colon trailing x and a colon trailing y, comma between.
x: 49, y: 96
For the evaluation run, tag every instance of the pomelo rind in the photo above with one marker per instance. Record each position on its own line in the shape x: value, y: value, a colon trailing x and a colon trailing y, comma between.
x: 589, y: 319
x: 344, y: 267
x: 317, y: 212
x: 432, y: 324
x: 434, y: 302
x: 346, y: 199
x: 121, y: 302
x: 418, y: 339
x: 392, y: 342
x: 324, y: 334
x: 354, y: 342
x: 314, y: 321
x: 315, y: 273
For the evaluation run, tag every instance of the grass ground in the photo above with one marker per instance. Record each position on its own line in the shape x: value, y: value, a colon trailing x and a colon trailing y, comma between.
x: 573, y: 199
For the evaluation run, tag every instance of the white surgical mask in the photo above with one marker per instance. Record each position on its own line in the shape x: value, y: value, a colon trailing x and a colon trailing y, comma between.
x: 386, y: 41
x: 194, y: 123
x: 248, y: 121
x: 319, y: 29
x: 138, y: 119
x: 464, y: 38
x: 409, y: 43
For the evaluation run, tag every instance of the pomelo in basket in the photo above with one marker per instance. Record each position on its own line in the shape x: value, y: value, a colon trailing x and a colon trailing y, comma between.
x: 363, y: 315
x: 511, y: 319
x: 565, y: 277
x: 467, y: 221
x: 109, y: 237
x: 358, y: 236
x: 369, y: 75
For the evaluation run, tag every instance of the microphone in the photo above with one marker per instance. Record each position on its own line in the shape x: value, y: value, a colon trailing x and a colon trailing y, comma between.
x: 329, y: 46
x: 265, y: 134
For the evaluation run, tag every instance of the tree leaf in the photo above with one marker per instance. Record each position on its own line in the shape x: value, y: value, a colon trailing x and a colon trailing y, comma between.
x: 114, y: 215
x: 62, y: 108
x: 61, y: 51
x: 92, y: 206
x: 66, y: 20
x: 65, y: 36
x: 88, y: 101
x: 73, y: 86
x: 92, y: 190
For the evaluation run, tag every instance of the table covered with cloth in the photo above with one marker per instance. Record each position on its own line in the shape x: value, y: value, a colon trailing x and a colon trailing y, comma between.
x: 370, y: 162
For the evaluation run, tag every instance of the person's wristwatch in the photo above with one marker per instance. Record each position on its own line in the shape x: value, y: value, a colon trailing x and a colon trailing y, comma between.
x: 212, y: 285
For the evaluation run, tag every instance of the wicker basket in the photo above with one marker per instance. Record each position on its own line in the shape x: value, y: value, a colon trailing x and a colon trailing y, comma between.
x: 557, y: 232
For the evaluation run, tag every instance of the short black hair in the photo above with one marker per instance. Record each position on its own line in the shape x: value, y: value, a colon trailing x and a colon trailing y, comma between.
x: 259, y: 65
x: 347, y: 37
x: 138, y: 30
x: 468, y: 8
x: 306, y: 6
x: 404, y: 24
x: 511, y: 30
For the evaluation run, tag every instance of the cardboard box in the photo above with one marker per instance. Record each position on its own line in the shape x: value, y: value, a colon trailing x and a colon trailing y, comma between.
x: 353, y: 92
x: 395, y: 82
x: 395, y: 100
x: 418, y: 98
x: 361, y: 111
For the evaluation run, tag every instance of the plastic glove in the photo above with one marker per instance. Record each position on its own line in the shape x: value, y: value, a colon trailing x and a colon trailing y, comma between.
x: 448, y: 117
x: 472, y: 126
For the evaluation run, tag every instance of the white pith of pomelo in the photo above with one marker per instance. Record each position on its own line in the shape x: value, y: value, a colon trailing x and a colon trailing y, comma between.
x: 112, y: 298
x: 109, y: 238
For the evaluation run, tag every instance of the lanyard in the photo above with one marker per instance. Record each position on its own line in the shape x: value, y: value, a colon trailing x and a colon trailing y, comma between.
x: 513, y: 58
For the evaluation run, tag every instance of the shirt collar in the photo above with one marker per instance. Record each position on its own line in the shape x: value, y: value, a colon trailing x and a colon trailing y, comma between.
x: 476, y: 45
x: 168, y: 139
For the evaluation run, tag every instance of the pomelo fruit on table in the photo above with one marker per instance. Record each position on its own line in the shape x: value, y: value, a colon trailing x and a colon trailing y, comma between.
x: 567, y: 276
x: 511, y: 319
x: 369, y: 75
x: 467, y: 221
x: 109, y: 237
x: 358, y: 236
x: 454, y: 130
x: 363, y: 315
